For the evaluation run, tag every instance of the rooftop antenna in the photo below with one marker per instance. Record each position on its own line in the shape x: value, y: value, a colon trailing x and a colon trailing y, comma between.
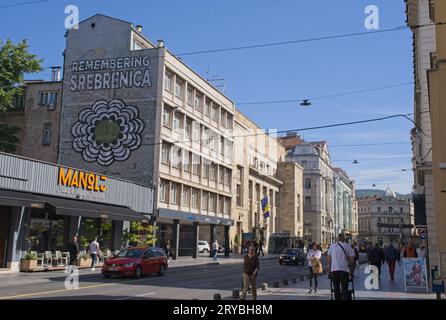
x: 216, y: 80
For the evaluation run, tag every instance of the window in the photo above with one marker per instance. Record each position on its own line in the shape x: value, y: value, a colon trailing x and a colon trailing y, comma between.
x: 223, y: 118
x: 194, y: 199
x: 228, y: 177
x: 198, y: 101
x: 176, y: 125
x: 204, y: 200
x: 221, y: 204
x: 227, y: 209
x: 167, y: 114
x: 187, y: 161
x: 48, y: 98
x: 176, y: 157
x: 196, y: 132
x: 214, y: 113
x: 163, y: 191
x: 307, y: 183
x: 188, y: 128
x: 212, y: 202
x: 402, y: 220
x: 205, y: 138
x: 230, y: 121
x: 207, y: 107
x: 240, y: 172
x: 390, y: 209
x: 379, y: 219
x: 186, y: 196
x: 222, y: 175
x: 222, y: 145
x: 401, y: 210
x: 195, y: 164
x: 168, y: 79
x: 206, y: 165
x: 179, y: 88
x: 47, y: 131
x: 239, y: 195
x: 19, y: 102
x: 165, y: 153
x: 379, y: 209
x: 173, y: 193
x: 308, y: 201
x: 212, y: 171
x: 190, y: 95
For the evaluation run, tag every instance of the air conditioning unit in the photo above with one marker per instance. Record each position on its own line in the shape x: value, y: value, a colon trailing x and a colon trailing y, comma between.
x: 51, y: 106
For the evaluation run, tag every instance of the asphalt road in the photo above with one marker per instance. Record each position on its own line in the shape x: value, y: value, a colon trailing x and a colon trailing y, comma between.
x: 190, y: 282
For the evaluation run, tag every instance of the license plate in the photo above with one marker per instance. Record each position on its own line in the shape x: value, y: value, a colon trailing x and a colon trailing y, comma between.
x: 113, y: 269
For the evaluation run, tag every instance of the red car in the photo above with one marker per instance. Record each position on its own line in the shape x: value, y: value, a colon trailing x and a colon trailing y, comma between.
x: 136, y: 262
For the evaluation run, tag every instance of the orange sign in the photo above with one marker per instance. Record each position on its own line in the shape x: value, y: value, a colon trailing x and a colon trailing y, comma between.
x: 81, y: 180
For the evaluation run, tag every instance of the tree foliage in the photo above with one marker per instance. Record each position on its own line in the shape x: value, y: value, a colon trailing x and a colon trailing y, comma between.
x: 140, y: 234
x: 8, y: 137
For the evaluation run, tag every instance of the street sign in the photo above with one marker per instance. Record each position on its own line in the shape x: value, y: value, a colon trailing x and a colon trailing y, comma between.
x: 391, y: 225
x: 421, y: 232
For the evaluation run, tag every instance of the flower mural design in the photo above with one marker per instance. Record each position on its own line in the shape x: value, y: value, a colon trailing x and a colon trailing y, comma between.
x: 108, y: 131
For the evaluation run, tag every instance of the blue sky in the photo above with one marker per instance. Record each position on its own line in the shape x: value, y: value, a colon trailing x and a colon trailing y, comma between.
x: 275, y: 73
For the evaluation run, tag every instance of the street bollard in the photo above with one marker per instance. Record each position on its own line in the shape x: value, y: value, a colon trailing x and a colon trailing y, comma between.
x: 217, y: 296
x: 276, y: 284
x: 285, y: 282
x: 236, y: 293
x: 301, y: 278
x: 294, y: 280
x: 264, y: 286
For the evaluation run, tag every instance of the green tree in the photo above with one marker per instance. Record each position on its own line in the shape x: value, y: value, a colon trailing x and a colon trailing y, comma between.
x: 15, y: 61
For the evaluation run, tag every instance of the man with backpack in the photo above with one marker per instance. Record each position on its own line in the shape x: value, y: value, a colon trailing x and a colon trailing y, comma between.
x: 339, y: 260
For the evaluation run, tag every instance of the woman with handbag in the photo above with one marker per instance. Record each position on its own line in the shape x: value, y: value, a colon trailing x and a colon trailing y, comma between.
x: 314, y: 264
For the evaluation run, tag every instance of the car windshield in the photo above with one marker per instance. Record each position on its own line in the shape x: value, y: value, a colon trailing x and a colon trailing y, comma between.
x: 130, y: 253
x: 292, y: 251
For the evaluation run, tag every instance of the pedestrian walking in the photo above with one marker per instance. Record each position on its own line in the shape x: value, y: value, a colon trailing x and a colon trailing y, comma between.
x: 356, y: 257
x: 167, y: 249
x: 339, y: 258
x: 261, y: 248
x: 73, y: 249
x: 392, y: 256
x: 94, y: 252
x: 314, y: 265
x: 250, y: 270
x: 410, y: 251
x: 421, y: 252
x: 215, y: 247
x: 376, y: 257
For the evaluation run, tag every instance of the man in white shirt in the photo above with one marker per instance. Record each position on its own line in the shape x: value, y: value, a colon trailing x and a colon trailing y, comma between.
x: 94, y: 252
x: 339, y: 258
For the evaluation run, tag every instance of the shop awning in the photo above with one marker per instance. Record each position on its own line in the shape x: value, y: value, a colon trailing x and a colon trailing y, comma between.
x: 70, y: 207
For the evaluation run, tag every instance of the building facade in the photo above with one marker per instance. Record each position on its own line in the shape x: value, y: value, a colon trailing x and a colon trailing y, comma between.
x: 133, y: 110
x: 385, y: 220
x: 344, y: 195
x: 43, y: 205
x: 36, y: 112
x: 427, y: 61
x: 318, y: 192
x: 255, y: 178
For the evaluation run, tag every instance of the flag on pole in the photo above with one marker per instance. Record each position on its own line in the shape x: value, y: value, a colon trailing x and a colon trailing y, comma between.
x: 265, y: 207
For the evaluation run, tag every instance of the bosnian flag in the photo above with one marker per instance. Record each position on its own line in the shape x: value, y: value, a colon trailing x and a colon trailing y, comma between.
x: 265, y: 207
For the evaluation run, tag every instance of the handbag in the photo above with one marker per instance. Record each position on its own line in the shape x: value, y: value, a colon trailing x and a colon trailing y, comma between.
x: 316, y: 266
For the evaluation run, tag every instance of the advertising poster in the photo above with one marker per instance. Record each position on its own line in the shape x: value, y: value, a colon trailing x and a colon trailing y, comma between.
x: 415, y: 273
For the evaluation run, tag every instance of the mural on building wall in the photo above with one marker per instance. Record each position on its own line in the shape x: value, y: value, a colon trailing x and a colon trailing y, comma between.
x: 108, y: 131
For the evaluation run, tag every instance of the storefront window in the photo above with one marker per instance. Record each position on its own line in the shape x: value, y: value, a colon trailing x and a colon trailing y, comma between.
x: 46, y: 231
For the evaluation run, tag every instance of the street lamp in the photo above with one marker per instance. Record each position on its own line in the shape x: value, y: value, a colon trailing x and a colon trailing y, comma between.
x: 305, y: 103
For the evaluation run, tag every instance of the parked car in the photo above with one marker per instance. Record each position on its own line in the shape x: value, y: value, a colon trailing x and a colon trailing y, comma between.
x: 203, y: 246
x: 136, y: 262
x: 292, y: 256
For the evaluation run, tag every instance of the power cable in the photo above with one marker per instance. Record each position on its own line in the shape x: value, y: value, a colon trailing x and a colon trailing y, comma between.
x: 23, y: 3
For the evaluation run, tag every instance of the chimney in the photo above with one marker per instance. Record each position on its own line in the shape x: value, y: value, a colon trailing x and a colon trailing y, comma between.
x: 55, y: 73
x: 139, y: 28
x: 160, y: 43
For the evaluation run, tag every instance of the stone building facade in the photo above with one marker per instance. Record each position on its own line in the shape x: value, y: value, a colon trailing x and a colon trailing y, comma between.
x: 344, y: 195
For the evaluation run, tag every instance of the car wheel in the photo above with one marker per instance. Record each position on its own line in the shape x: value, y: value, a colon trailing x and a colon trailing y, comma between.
x: 205, y: 251
x: 106, y: 276
x: 162, y: 270
x: 138, y: 272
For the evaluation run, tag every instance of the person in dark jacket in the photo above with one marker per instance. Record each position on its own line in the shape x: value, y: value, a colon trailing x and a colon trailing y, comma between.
x: 73, y: 249
x: 250, y: 270
x: 392, y: 256
x: 376, y: 257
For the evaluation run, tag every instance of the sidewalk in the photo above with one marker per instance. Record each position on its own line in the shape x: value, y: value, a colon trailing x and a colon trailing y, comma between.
x: 389, y: 290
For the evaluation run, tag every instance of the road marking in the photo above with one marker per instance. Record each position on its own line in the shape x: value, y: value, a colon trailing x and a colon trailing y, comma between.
x: 138, y: 295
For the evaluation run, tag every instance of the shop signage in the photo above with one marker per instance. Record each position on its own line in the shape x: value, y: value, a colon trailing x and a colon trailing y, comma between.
x: 78, y: 179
